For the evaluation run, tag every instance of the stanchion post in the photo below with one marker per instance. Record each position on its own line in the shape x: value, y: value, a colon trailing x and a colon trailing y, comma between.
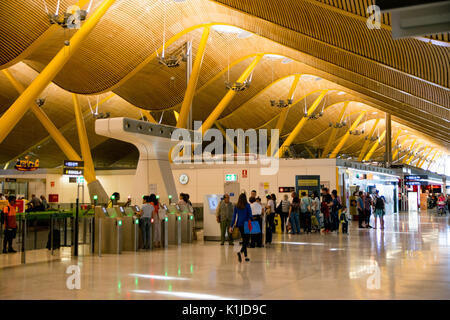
x: 51, y: 232
x: 75, y: 252
x: 24, y: 236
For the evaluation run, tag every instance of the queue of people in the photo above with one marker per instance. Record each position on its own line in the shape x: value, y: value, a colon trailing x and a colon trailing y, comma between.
x: 300, y: 214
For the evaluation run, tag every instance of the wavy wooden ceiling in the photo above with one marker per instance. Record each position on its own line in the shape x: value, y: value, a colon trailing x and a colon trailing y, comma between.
x: 408, y: 78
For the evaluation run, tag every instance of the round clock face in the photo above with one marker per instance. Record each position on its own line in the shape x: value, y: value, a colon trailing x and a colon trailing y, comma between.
x: 184, y: 179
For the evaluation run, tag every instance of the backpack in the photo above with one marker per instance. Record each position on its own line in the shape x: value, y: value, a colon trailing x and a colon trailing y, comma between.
x: 279, y: 208
x: 305, y: 203
x: 379, y: 204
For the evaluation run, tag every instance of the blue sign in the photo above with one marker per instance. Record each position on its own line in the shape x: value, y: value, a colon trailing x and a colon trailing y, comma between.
x: 231, y: 194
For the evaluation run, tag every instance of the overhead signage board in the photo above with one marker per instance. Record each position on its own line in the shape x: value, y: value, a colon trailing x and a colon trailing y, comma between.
x: 286, y: 189
x: 416, y: 180
x: 73, y: 172
x: 73, y: 164
x: 307, y: 183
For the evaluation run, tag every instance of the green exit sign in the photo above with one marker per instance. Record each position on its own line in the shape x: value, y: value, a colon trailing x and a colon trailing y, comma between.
x: 231, y: 177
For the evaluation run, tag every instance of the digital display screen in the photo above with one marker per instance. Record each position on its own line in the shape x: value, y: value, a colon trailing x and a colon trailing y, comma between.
x: 73, y: 164
x: 121, y: 209
x: 165, y: 207
x: 213, y: 202
x: 73, y: 172
x: 178, y: 207
x: 137, y: 208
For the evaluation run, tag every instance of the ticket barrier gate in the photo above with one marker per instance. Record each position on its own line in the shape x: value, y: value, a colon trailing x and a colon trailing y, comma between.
x: 165, y: 232
x: 108, y: 231
x: 187, y: 227
x: 174, y: 225
x: 130, y: 229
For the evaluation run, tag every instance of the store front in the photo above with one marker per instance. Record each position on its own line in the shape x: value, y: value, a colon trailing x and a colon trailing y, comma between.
x: 355, y: 177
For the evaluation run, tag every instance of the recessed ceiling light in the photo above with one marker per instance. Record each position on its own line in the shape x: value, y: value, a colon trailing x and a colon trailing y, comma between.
x: 244, y: 34
x: 273, y: 56
x: 374, y: 112
x: 226, y: 29
x: 318, y: 79
x: 340, y: 93
x: 286, y: 61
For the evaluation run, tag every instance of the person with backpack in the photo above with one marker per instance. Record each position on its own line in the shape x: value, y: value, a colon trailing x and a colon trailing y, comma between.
x: 305, y: 212
x: 9, y: 219
x: 379, y: 210
x: 368, y: 203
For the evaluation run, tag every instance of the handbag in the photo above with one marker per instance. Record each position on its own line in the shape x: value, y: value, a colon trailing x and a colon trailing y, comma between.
x: 255, y: 228
x: 235, y: 234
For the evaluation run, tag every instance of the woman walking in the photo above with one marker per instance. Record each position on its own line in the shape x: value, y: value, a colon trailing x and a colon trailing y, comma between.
x: 145, y: 223
x: 242, y: 215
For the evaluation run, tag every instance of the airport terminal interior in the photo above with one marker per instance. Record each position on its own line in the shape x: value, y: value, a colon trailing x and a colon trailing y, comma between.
x: 224, y: 150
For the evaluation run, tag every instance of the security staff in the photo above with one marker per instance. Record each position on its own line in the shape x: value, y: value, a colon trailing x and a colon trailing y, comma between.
x: 9, y: 214
x: 224, y: 214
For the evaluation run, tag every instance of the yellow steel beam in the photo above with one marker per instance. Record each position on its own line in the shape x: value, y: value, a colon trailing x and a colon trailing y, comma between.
x: 367, y: 142
x: 341, y: 143
x: 413, y: 153
x: 425, y: 158
x: 401, y: 143
x: 16, y: 111
x: 227, y: 138
x: 411, y: 147
x: 334, y: 131
x: 300, y: 124
x: 309, y: 151
x: 228, y: 97
x: 418, y: 156
x: 374, y: 147
x: 89, y: 172
x: 39, y: 41
x: 176, y: 114
x: 431, y: 160
x: 148, y: 115
x: 394, y: 141
x: 193, y: 79
x: 52, y: 130
x: 283, y: 114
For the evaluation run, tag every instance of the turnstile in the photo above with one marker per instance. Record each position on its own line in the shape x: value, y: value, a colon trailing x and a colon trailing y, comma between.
x: 108, y: 231
x: 165, y: 232
x: 130, y: 229
x: 174, y: 228
x: 187, y: 227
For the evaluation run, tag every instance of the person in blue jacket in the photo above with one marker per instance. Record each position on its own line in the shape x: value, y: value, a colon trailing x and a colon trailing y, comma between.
x: 242, y: 215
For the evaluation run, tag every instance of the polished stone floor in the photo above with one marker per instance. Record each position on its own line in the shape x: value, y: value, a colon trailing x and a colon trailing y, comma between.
x: 410, y: 259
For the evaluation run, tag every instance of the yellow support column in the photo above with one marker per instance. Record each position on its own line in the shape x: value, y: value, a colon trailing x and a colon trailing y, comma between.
x: 367, y: 142
x: 334, y: 131
x: 300, y: 124
x: 397, y: 150
x: 411, y: 147
x: 418, y: 156
x: 193, y: 79
x: 309, y: 151
x: 16, y: 111
x: 89, y: 172
x: 375, y: 146
x: 284, y: 112
x: 346, y: 136
x: 57, y: 136
x: 228, y: 97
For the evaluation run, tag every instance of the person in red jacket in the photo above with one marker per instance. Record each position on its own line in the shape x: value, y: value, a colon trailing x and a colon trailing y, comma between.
x: 9, y: 213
